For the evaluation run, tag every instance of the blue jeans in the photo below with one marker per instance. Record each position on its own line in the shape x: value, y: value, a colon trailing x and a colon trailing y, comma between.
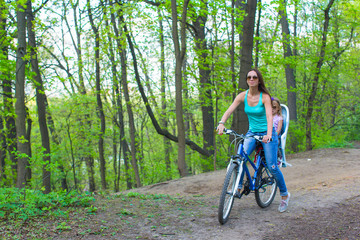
x: 270, y: 150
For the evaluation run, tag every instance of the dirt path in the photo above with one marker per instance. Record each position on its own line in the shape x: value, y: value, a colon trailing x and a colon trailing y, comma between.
x: 325, y: 201
x: 325, y: 204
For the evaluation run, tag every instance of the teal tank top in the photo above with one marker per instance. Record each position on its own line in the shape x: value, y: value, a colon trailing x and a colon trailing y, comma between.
x: 256, y: 115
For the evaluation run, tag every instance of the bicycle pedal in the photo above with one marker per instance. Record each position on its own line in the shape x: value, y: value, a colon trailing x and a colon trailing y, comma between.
x: 238, y: 194
x: 246, y: 191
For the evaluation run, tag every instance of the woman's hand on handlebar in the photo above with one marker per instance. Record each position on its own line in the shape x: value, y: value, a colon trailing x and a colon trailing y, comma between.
x: 266, y: 139
x: 220, y: 128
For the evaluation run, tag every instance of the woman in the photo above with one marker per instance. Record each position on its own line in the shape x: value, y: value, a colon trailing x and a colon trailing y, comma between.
x: 258, y: 108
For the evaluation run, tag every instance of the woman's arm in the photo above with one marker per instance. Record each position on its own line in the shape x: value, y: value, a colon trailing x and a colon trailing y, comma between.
x: 239, y: 99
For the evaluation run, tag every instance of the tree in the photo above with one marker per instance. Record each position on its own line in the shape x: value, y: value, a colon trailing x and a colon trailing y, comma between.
x: 86, y: 126
x: 206, y: 99
x: 20, y: 121
x: 164, y: 120
x: 40, y: 99
x: 132, y: 130
x: 289, y: 69
x: 180, y: 51
x: 115, y: 102
x: 2, y: 150
x: 99, y: 108
x: 240, y: 121
x: 315, y: 80
x: 124, y: 148
x: 9, y: 130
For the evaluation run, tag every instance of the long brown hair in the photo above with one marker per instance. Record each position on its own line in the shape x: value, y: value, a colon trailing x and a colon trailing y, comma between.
x: 275, y: 99
x: 261, y: 86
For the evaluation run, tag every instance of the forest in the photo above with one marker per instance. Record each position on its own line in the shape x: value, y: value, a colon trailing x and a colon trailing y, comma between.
x: 108, y: 95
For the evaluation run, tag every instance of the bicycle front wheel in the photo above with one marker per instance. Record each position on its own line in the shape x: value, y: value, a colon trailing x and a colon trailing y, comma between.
x: 227, y: 194
x: 266, y: 187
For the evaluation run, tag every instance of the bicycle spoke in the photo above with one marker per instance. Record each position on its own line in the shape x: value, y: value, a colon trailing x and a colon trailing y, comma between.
x: 267, y: 187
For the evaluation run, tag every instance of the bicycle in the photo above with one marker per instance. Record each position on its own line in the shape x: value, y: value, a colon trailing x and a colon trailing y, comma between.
x: 238, y: 180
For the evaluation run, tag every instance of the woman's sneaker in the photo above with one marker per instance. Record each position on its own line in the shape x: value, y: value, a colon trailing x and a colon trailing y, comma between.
x: 284, y: 204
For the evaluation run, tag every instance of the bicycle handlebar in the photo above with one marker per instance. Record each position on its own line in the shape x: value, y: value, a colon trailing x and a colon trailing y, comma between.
x: 232, y: 132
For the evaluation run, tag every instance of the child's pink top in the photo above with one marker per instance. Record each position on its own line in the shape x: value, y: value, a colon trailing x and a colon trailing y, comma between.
x: 276, y: 120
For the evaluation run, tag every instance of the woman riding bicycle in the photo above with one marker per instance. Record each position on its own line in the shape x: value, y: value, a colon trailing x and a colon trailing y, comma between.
x: 258, y: 108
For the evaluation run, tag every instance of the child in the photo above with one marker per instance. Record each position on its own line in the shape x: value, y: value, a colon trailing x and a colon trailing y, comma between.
x: 277, y: 122
x: 277, y: 116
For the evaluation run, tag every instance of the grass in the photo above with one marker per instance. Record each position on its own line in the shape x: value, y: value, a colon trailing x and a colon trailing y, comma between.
x: 108, y: 216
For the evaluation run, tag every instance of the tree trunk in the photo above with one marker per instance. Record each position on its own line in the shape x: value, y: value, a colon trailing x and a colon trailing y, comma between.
x: 72, y: 153
x: 123, y: 143
x: 78, y: 47
x: 133, y: 136
x: 257, y: 35
x: 240, y: 120
x: 115, y: 95
x: 40, y: 100
x: 115, y: 158
x: 295, y: 30
x: 132, y: 130
x: 205, y: 83
x: 89, y: 160
x: 28, y: 172
x: 232, y: 51
x: 289, y: 70
x: 187, y: 113
x: 20, y: 111
x: 145, y: 71
x: 4, y: 55
x: 100, y: 109
x: 2, y: 150
x: 163, y: 118
x: 9, y: 132
x: 315, y: 82
x: 180, y: 51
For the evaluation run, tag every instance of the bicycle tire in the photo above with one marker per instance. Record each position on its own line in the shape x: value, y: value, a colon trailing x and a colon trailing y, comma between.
x: 227, y: 193
x: 266, y: 187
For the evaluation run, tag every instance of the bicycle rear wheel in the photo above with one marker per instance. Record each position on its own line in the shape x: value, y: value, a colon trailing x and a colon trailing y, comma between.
x: 266, y: 187
x: 227, y: 194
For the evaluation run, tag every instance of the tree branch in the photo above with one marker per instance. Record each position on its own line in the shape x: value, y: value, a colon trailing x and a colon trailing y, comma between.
x: 160, y: 131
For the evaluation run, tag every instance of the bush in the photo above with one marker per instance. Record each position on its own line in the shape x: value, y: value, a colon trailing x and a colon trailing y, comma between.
x: 26, y: 203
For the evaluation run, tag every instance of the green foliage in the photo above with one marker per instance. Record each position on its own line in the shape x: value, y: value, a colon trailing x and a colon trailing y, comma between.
x: 322, y: 138
x: 63, y: 227
x: 295, y: 141
x: 91, y: 209
x: 336, y: 144
x: 23, y: 204
x: 351, y: 125
x: 330, y: 139
x: 335, y: 121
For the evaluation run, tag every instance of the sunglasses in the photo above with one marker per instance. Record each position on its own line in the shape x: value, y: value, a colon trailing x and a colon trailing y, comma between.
x: 254, y: 77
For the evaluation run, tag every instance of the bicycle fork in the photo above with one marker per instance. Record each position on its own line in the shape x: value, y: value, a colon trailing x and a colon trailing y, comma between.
x: 239, y: 176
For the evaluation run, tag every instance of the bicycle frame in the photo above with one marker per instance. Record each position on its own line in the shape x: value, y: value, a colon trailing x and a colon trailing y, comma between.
x: 242, y: 159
